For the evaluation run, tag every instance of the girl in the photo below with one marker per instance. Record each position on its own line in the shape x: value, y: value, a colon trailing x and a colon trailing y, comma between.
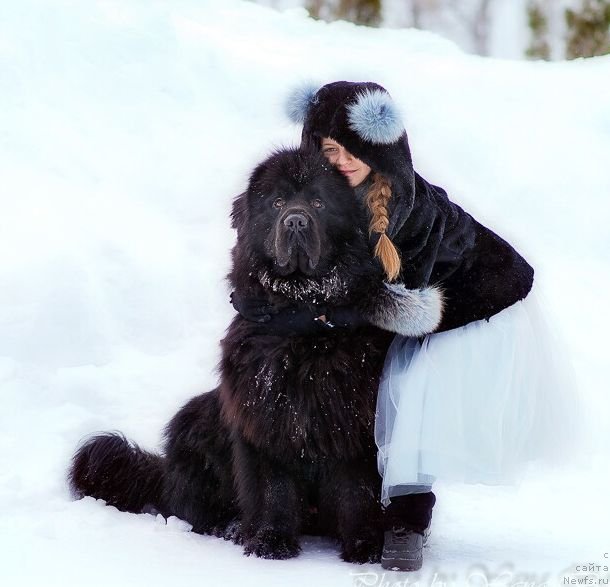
x: 474, y: 400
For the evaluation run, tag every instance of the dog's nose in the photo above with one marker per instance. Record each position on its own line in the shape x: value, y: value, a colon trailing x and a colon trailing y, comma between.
x: 295, y: 222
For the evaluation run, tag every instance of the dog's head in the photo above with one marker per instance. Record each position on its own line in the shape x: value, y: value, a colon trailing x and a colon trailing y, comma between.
x: 298, y: 215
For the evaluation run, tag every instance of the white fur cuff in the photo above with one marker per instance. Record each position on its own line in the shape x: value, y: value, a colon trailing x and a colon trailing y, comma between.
x: 410, y: 312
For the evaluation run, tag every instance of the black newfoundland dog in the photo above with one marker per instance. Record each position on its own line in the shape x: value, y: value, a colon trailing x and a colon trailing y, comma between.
x: 285, y: 444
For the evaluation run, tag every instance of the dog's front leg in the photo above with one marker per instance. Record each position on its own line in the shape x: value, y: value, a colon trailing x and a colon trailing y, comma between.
x: 349, y: 493
x: 269, y: 501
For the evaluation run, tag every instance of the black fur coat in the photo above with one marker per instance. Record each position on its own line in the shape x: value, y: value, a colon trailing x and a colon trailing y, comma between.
x: 479, y: 273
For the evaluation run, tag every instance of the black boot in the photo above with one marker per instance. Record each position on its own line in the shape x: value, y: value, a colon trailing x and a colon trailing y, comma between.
x: 406, y: 529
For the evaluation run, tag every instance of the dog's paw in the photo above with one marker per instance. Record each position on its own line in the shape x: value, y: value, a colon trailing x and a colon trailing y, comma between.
x: 269, y: 543
x: 234, y: 531
x: 362, y: 550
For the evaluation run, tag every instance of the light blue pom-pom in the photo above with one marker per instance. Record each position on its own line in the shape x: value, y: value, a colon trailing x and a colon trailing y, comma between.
x: 375, y: 117
x: 299, y: 101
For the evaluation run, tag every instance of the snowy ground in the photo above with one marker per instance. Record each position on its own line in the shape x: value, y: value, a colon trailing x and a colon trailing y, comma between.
x: 126, y: 129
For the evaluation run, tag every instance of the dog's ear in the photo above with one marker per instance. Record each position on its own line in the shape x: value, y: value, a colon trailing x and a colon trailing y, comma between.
x: 310, y: 152
x: 239, y: 211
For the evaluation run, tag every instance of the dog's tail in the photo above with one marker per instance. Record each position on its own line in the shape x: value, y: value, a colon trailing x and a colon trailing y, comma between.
x: 110, y: 467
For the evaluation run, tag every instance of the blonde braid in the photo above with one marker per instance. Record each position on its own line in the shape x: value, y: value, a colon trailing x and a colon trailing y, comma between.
x: 377, y: 200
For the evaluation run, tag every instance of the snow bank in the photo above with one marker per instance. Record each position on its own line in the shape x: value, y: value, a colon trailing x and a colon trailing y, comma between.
x: 126, y: 130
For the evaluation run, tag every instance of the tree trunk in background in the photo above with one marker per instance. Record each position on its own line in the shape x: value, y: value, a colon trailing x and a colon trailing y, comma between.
x: 588, y: 29
x: 481, y: 27
x: 474, y: 19
x: 416, y: 13
x: 538, y: 23
x: 314, y: 7
x: 361, y: 11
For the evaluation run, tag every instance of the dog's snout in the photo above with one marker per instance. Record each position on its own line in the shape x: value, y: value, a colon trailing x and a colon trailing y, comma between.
x: 295, y: 222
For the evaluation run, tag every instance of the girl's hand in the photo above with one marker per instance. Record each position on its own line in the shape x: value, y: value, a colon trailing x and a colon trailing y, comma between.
x: 292, y: 320
x: 252, y: 309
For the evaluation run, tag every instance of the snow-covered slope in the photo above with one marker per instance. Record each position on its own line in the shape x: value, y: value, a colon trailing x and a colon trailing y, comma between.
x: 126, y: 128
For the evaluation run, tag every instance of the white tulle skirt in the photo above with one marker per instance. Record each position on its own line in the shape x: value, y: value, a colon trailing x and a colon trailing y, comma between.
x: 475, y: 404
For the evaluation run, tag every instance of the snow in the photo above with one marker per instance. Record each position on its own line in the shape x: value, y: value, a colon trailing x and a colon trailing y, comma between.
x: 126, y: 130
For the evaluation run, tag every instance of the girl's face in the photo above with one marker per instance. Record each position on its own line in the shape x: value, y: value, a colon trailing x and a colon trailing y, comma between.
x: 355, y: 170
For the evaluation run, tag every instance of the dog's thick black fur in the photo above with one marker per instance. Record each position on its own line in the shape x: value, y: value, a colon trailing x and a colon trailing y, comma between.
x: 285, y: 444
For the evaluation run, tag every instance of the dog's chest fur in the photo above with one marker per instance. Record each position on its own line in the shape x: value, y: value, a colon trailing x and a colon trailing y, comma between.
x: 303, y: 398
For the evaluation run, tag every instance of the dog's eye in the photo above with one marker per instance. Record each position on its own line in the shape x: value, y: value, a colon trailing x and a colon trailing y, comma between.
x: 278, y: 202
x: 317, y: 203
